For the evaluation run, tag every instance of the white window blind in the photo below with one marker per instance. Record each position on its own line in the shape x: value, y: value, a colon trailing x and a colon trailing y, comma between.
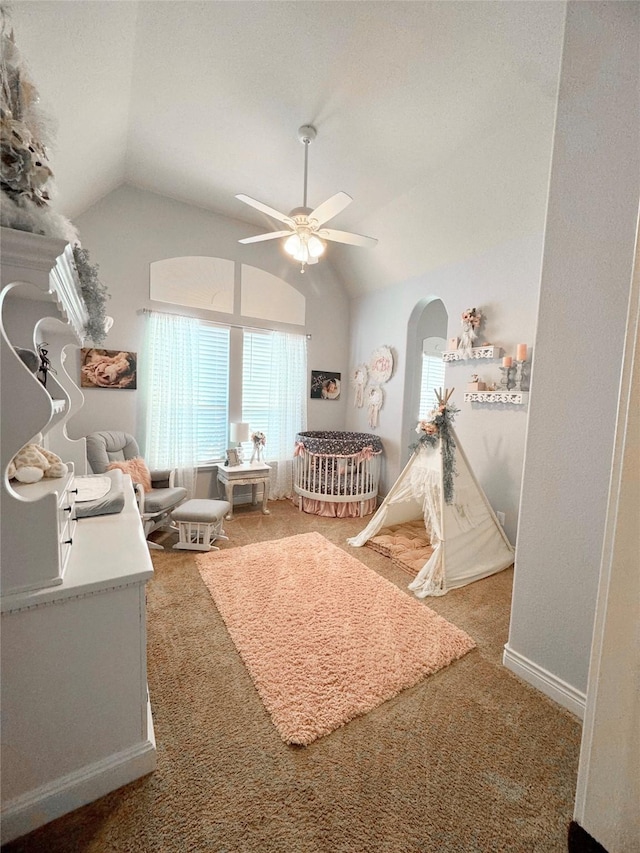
x: 274, y: 382
x: 257, y: 377
x: 269, y: 387
x: 213, y: 393
x: 432, y: 378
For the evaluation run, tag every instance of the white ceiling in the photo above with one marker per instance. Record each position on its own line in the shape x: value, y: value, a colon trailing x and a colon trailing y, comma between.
x: 437, y: 117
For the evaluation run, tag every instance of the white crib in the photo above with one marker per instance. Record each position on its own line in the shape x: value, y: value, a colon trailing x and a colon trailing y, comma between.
x: 337, y: 473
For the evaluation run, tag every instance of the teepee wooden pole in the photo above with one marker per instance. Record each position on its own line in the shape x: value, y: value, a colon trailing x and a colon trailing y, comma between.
x: 443, y: 396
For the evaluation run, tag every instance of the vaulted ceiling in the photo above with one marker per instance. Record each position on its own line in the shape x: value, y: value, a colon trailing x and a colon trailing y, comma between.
x: 437, y: 117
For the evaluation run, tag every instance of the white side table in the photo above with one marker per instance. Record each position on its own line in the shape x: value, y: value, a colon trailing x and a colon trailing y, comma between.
x: 246, y: 474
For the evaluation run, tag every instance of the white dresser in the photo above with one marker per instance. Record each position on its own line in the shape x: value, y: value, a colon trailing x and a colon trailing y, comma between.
x: 76, y: 718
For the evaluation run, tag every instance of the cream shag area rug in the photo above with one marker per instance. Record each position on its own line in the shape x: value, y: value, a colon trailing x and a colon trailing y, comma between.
x: 325, y: 638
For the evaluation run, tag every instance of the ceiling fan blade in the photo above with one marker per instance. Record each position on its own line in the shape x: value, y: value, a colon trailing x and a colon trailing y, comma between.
x: 330, y: 208
x: 272, y: 235
x: 264, y: 208
x: 346, y: 237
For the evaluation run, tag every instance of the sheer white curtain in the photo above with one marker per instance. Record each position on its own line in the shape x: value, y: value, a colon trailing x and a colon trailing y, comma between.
x: 169, y: 384
x: 290, y: 391
x: 274, y: 398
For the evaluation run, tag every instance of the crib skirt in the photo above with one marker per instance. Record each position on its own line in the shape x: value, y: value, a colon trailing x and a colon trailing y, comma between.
x: 330, y: 509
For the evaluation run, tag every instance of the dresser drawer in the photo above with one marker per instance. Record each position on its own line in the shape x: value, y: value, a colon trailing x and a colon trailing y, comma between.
x: 66, y: 524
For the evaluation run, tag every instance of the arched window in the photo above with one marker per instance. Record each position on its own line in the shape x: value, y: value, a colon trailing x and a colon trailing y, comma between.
x: 242, y: 373
x: 210, y: 284
x: 426, y: 337
x: 432, y: 374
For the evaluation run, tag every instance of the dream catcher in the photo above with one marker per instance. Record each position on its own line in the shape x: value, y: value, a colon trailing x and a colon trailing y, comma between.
x: 359, y: 381
x: 375, y: 399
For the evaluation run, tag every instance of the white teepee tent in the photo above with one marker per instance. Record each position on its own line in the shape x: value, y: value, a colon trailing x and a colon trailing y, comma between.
x: 467, y: 538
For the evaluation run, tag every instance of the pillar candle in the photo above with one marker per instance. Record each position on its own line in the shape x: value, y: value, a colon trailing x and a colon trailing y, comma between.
x: 507, y: 361
x: 521, y: 352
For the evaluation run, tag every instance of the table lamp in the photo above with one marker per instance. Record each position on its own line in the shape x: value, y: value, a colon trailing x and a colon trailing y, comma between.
x: 239, y: 432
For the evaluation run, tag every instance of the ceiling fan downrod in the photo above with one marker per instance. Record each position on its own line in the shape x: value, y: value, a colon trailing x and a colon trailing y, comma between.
x: 306, y: 134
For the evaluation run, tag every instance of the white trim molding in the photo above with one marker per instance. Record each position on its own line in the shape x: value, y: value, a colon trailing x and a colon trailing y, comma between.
x: 27, y: 812
x: 546, y: 682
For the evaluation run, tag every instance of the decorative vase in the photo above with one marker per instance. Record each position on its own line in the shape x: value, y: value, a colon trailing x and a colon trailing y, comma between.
x: 256, y: 456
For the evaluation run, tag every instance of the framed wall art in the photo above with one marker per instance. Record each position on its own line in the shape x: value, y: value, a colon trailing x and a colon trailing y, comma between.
x: 107, y: 368
x: 325, y: 385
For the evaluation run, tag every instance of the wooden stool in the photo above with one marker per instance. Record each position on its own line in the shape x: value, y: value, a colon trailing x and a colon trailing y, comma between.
x: 200, y: 524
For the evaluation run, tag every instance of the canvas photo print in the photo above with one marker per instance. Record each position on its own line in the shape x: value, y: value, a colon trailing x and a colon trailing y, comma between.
x: 107, y: 368
x: 325, y: 385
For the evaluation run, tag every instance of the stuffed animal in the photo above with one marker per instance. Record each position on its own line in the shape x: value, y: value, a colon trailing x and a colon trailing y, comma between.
x: 34, y: 462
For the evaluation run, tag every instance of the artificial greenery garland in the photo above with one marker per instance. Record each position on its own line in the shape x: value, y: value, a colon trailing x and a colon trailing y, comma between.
x: 94, y: 293
x: 437, y: 427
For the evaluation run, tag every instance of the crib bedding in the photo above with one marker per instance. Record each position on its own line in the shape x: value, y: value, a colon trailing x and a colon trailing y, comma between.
x: 336, y: 473
x: 333, y: 443
x: 333, y: 509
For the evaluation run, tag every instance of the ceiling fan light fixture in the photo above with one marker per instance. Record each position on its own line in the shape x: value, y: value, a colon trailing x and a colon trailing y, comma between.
x: 306, y: 242
x: 292, y: 245
x: 316, y: 246
x: 304, y: 247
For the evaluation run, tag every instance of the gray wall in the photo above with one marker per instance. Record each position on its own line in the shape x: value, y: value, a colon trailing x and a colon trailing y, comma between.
x: 586, y: 278
x: 504, y: 282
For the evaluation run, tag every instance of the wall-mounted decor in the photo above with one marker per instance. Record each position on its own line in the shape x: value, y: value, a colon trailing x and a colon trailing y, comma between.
x: 381, y: 365
x: 107, y: 368
x: 359, y: 381
x: 325, y: 385
x: 375, y: 399
x: 471, y: 320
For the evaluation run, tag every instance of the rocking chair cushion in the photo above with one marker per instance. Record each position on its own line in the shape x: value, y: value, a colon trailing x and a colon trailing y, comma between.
x: 158, y: 500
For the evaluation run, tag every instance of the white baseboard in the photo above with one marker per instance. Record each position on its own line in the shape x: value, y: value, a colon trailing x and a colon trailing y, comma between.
x: 27, y: 812
x: 552, y: 686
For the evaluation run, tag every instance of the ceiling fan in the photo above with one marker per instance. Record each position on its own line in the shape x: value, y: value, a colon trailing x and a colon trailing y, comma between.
x: 305, y: 234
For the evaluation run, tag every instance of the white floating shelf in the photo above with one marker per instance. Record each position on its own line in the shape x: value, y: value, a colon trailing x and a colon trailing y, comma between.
x: 476, y: 352
x: 516, y: 398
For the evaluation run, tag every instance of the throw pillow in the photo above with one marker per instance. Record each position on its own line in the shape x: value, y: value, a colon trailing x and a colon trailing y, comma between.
x: 138, y: 470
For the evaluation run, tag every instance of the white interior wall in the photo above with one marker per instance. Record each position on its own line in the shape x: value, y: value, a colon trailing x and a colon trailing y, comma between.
x: 504, y: 282
x: 586, y: 277
x: 608, y: 790
x: 130, y: 228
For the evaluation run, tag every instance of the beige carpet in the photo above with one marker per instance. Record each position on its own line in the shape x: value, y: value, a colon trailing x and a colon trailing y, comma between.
x: 470, y: 760
x: 324, y: 638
